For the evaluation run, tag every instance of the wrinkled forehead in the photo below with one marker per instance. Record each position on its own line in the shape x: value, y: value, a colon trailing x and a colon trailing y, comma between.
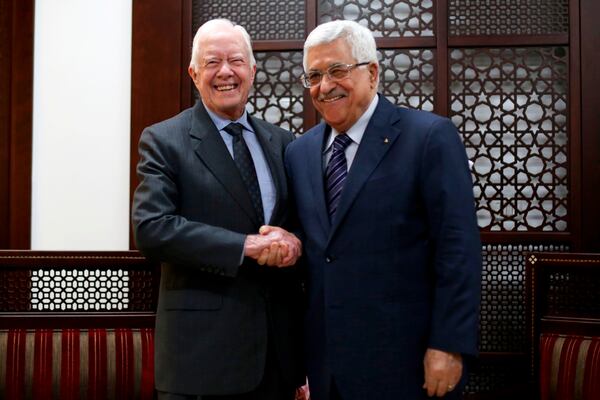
x: 326, y: 55
x: 224, y: 42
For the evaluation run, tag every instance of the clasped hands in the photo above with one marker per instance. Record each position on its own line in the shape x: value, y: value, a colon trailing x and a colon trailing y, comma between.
x: 273, y: 246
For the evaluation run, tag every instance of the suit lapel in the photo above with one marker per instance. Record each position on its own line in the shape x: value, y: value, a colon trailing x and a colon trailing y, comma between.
x: 211, y: 149
x: 378, y: 138
x: 314, y: 155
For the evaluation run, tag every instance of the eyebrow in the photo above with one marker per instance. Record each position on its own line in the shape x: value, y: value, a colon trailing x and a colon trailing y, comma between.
x: 336, y: 64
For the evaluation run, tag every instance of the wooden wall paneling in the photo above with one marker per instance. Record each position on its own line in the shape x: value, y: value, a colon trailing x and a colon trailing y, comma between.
x: 574, y: 125
x: 311, y: 116
x: 590, y: 125
x: 21, y: 124
x: 187, y: 98
x: 16, y: 64
x: 156, y: 68
x: 5, y: 34
x: 441, y: 58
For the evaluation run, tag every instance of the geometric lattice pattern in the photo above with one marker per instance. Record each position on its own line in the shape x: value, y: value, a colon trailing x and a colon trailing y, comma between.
x: 407, y: 77
x: 15, y: 289
x: 263, y: 19
x: 507, y: 17
x: 510, y: 106
x: 277, y: 94
x: 503, y: 303
x: 385, y: 18
x: 84, y: 290
x: 497, y: 376
x: 572, y: 294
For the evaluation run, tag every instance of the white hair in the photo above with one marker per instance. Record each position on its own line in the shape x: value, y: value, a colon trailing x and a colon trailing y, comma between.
x: 220, y: 21
x: 359, y: 38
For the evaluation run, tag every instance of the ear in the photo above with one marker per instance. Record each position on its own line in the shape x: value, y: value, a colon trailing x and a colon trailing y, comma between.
x: 192, y: 73
x: 373, y: 73
x: 252, y: 74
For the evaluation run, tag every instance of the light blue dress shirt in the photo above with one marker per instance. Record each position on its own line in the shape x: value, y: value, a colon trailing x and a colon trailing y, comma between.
x: 263, y: 173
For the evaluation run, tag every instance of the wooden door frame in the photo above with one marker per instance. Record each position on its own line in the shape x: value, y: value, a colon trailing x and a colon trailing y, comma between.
x: 16, y: 121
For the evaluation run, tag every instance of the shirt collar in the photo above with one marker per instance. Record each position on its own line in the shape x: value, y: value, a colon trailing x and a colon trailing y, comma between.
x: 221, y: 123
x: 357, y: 130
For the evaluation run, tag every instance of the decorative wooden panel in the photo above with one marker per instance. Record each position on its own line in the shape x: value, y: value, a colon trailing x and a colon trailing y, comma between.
x: 79, y: 283
x: 510, y: 105
x: 278, y: 96
x: 407, y: 77
x: 15, y: 290
x: 502, y: 321
x: 384, y: 18
x: 507, y: 17
x: 263, y: 19
x: 573, y: 293
x: 493, y: 377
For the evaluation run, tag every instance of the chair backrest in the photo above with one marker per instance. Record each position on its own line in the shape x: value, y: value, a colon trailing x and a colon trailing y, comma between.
x: 77, y: 325
x: 563, y: 292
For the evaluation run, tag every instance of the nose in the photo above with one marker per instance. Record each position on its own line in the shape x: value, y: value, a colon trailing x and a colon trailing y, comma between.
x: 326, y: 84
x: 224, y: 69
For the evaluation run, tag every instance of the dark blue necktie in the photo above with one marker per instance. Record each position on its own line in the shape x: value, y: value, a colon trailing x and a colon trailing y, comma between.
x: 243, y: 160
x: 336, y: 172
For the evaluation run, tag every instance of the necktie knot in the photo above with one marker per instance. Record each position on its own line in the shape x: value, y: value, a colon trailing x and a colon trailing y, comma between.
x: 341, y: 141
x: 235, y: 129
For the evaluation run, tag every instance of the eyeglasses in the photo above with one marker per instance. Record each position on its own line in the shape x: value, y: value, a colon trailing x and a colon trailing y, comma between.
x: 335, y: 73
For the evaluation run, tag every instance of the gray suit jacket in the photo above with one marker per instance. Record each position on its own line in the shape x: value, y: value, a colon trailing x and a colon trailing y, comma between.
x: 192, y: 212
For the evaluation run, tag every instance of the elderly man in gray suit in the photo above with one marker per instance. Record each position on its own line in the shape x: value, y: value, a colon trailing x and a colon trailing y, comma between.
x: 227, y: 327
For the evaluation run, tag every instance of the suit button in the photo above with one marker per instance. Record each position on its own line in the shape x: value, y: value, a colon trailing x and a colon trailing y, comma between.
x: 328, y: 259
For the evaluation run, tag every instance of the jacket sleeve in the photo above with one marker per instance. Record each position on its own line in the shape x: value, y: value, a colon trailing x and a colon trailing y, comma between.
x: 447, y: 190
x: 160, y: 232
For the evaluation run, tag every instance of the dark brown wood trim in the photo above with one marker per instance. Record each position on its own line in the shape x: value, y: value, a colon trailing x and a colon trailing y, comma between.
x: 156, y: 68
x: 574, y: 125
x: 564, y: 238
x: 5, y: 75
x: 590, y: 124
x: 187, y: 36
x: 441, y: 105
x: 311, y: 16
x: 311, y: 116
x: 16, y: 112
x: 277, y: 45
x: 508, y: 40
x: 406, y: 42
x: 77, y: 320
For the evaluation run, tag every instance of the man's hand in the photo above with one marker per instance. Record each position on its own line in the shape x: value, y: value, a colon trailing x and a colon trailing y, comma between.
x: 442, y: 371
x: 273, y: 246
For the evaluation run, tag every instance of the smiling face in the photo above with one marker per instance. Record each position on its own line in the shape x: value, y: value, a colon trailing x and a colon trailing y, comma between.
x: 223, y: 72
x: 341, y: 103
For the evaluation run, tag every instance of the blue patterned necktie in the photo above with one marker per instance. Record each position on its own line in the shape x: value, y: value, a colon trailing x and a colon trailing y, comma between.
x: 243, y: 160
x: 336, y: 172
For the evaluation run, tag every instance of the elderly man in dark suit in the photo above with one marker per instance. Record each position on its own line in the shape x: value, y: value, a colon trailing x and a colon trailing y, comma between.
x: 385, y: 202
x: 210, y: 177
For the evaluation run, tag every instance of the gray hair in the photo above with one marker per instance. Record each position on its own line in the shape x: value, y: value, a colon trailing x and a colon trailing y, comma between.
x: 206, y: 25
x: 359, y: 38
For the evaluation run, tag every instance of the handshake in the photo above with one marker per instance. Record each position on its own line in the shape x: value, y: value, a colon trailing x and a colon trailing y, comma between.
x: 273, y: 246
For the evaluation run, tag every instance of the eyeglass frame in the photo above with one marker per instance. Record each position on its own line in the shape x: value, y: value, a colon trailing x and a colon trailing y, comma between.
x: 347, y: 67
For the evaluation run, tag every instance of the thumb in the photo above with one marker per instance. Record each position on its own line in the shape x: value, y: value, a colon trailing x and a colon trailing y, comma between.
x: 265, y: 229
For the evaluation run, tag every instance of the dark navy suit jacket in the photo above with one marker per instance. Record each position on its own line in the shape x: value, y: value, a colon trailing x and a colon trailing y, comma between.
x: 398, y: 268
